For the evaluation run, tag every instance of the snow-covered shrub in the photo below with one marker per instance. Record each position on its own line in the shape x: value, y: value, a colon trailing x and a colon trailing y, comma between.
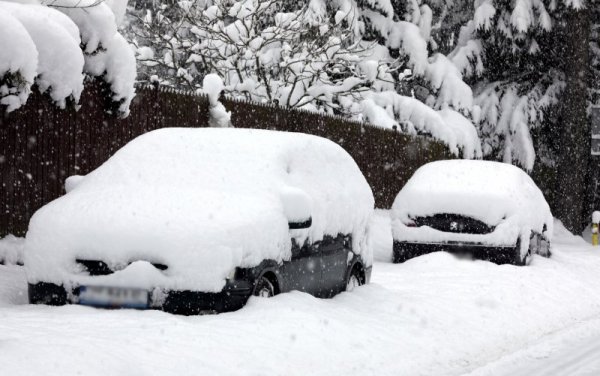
x: 53, y: 44
x: 18, y: 62
x: 513, y: 55
x: 340, y: 57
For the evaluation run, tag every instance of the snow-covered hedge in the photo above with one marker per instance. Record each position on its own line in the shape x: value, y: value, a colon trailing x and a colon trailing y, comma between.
x: 40, y: 45
x: 354, y: 58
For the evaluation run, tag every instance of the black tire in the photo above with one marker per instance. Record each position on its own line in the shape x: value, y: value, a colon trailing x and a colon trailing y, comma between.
x: 264, y: 287
x: 525, y: 260
x: 355, y: 279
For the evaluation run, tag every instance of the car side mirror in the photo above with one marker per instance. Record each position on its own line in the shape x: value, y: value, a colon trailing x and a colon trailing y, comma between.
x: 72, y: 182
x: 296, y: 208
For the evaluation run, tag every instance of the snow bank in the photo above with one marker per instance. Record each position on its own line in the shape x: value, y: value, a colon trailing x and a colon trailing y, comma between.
x: 219, y: 117
x: 11, y: 250
x: 498, y: 194
x: 117, y: 66
x: 388, y: 109
x: 380, y: 234
x: 202, y: 201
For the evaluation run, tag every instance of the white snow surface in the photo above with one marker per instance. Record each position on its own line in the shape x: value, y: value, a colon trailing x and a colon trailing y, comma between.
x: 498, y: 194
x: 432, y: 315
x: 202, y: 201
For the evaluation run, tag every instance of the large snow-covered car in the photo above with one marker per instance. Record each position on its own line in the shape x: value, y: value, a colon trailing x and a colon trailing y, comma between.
x: 488, y: 210
x: 196, y: 220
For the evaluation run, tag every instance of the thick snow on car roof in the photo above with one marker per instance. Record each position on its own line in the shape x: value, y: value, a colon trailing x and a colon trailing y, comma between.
x: 485, y: 190
x: 201, y: 201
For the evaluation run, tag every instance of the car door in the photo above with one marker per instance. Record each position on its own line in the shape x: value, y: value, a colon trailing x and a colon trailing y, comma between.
x: 303, y: 271
x: 334, y: 264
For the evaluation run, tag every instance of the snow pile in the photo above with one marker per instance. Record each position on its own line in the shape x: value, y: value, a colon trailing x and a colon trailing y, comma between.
x: 202, y: 202
x: 11, y: 250
x: 219, y: 117
x: 380, y: 234
x: 497, y: 194
x: 48, y: 39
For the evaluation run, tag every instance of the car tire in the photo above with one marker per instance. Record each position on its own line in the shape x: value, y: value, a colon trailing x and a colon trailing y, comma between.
x: 525, y: 260
x: 354, y: 280
x: 264, y: 288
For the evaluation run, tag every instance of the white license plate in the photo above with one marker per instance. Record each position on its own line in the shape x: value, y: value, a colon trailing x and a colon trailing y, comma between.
x: 113, y: 297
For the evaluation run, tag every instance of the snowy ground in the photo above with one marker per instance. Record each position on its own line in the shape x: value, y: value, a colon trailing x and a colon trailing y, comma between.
x: 434, y: 315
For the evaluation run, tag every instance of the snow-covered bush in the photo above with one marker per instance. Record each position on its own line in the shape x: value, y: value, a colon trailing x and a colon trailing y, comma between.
x: 40, y: 44
x: 342, y: 57
x: 18, y: 62
x: 513, y: 54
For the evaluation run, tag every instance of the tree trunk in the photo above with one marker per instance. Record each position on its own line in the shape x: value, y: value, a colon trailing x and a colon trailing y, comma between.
x: 573, y: 157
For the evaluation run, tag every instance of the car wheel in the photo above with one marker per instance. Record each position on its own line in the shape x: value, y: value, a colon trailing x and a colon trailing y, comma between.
x: 264, y: 288
x: 522, y: 261
x: 354, y: 280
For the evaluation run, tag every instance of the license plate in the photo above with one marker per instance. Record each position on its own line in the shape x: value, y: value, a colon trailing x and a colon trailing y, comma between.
x: 113, y: 297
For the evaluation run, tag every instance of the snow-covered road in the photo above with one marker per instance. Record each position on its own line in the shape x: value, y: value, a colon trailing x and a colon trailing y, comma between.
x: 573, y: 351
x: 434, y: 315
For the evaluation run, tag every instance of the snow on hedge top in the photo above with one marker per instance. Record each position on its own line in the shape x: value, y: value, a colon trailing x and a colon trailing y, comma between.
x: 489, y: 191
x: 60, y: 62
x: 202, y: 201
x: 18, y: 57
x: 57, y: 29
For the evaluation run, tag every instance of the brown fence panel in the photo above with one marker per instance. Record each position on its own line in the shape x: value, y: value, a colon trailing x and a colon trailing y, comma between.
x: 41, y: 145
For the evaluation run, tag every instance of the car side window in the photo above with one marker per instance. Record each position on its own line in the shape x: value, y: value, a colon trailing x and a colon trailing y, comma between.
x: 303, y: 250
x: 330, y: 243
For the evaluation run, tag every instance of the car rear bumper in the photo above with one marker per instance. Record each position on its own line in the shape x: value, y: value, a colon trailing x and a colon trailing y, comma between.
x: 496, y: 254
x: 179, y: 302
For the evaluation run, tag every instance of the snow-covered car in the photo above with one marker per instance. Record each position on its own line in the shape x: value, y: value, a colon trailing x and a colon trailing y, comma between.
x: 488, y: 210
x: 196, y: 220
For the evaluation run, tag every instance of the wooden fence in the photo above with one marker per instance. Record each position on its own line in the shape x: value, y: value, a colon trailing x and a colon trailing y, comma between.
x: 41, y: 145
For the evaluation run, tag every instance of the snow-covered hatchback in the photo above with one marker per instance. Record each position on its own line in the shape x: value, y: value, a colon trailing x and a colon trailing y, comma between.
x: 488, y: 210
x: 196, y: 220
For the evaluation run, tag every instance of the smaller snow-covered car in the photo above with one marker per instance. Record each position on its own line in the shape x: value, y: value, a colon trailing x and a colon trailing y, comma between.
x: 487, y: 210
x: 199, y: 220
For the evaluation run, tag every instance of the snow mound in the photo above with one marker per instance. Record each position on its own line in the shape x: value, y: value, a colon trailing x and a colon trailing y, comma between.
x: 202, y: 201
x: 11, y: 250
x: 497, y: 194
x: 380, y: 235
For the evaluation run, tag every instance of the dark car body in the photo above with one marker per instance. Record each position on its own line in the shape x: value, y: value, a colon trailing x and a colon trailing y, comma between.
x: 321, y: 269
